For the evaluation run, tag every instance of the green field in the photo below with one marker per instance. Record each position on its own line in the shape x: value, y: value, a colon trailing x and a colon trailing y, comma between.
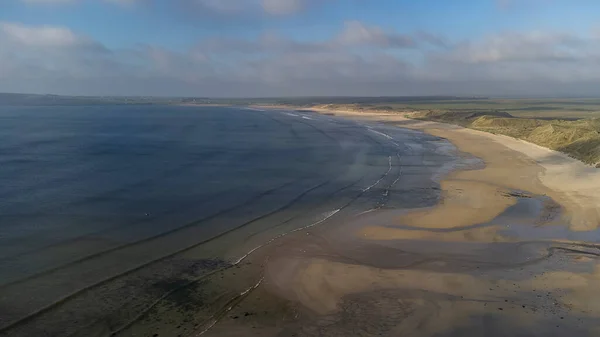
x: 530, y: 108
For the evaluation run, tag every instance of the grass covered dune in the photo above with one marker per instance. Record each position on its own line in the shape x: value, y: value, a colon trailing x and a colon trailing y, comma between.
x: 579, y: 138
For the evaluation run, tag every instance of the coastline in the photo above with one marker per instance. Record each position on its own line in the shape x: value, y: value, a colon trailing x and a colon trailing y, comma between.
x: 474, y: 256
x: 478, y: 258
x: 570, y: 182
x: 397, y: 227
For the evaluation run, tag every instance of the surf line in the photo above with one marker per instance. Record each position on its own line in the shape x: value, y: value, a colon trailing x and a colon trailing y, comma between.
x: 382, y: 177
x: 386, y: 193
x: 399, y: 174
x: 387, y: 190
x: 215, y: 320
x: 392, y: 140
x: 381, y: 133
x: 327, y: 216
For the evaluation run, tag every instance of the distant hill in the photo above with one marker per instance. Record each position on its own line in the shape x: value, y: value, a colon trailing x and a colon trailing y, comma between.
x: 36, y: 99
x: 39, y: 100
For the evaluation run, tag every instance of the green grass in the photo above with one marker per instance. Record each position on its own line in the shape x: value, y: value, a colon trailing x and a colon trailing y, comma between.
x: 578, y: 138
x: 526, y: 108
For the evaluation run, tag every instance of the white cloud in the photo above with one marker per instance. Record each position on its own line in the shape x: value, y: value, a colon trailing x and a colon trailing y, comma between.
x: 357, y: 33
x: 282, y: 7
x: 36, y: 51
x: 48, y: 1
x: 123, y: 2
x: 353, y: 35
x: 58, y: 2
x: 358, y: 60
x: 533, y: 46
x: 44, y: 36
x: 507, y: 4
x: 67, y: 2
x: 227, y: 7
x: 224, y: 6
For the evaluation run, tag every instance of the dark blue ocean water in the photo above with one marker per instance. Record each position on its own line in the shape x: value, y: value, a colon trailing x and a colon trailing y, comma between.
x: 67, y: 171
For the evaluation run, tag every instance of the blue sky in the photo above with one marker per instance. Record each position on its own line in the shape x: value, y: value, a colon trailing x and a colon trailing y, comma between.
x: 300, y: 47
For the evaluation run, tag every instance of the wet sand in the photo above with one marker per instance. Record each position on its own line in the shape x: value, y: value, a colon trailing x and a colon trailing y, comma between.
x: 503, y: 252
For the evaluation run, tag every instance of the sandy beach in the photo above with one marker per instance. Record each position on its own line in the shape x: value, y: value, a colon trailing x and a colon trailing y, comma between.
x: 571, y: 183
x: 510, y: 248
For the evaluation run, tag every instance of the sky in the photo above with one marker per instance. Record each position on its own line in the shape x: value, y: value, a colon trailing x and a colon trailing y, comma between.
x: 269, y: 48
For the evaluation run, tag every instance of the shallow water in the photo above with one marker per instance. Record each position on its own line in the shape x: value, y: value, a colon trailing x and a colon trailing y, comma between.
x: 105, y: 210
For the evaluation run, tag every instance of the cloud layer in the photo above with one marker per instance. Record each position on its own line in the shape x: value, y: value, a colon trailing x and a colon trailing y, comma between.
x: 227, y: 7
x: 357, y: 59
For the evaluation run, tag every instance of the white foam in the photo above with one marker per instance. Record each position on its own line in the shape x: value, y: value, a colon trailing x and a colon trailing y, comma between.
x: 215, y: 321
x: 381, y: 133
x: 380, y: 179
x: 327, y: 216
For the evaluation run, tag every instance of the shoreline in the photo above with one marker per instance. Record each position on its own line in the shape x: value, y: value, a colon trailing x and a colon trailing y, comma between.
x: 570, y: 182
x: 456, y: 265
x: 424, y: 232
